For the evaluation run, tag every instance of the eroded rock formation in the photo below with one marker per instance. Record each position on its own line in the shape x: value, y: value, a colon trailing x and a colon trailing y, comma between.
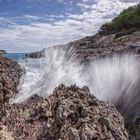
x: 70, y: 113
x: 78, y: 115
x: 90, y: 47
x: 95, y: 46
x: 10, y: 73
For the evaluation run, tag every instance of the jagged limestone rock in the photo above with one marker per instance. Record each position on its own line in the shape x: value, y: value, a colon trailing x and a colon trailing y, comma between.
x: 78, y: 115
x: 10, y: 73
x: 70, y: 113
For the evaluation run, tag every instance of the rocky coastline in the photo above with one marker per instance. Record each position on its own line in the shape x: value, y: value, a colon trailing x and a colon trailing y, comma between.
x: 70, y: 113
x: 95, y: 46
x: 91, y: 47
x: 10, y: 73
x: 63, y: 115
x: 54, y: 118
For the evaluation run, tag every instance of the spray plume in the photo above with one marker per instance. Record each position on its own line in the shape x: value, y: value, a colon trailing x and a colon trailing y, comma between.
x: 114, y: 79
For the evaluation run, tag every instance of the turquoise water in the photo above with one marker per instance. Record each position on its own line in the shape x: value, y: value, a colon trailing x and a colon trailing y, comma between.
x: 16, y: 56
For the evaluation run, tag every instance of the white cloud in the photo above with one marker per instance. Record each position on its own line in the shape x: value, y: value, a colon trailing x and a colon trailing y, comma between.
x: 4, y: 21
x: 83, y: 5
x: 40, y: 35
x: 32, y: 17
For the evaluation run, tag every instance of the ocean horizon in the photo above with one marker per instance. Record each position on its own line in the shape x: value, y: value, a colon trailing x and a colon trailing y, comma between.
x: 16, y: 56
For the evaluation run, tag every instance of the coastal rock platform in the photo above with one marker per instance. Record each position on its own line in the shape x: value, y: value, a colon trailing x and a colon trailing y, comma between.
x: 70, y: 113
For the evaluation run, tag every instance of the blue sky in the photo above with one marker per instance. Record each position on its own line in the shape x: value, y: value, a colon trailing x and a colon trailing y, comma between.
x: 30, y: 25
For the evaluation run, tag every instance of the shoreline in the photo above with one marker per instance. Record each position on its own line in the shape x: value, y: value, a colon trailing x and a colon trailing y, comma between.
x: 87, y: 53
x: 27, y: 107
x: 35, y: 118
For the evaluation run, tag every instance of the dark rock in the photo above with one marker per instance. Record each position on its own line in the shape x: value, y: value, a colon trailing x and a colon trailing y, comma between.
x: 91, y: 47
x: 10, y: 73
x: 36, y: 55
x: 2, y: 52
x: 134, y: 129
x: 73, y: 118
x: 95, y: 46
x: 61, y: 117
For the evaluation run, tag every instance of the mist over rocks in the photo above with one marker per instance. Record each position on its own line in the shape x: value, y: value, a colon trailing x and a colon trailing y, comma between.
x: 91, y: 47
x: 122, y: 89
x: 70, y: 113
x: 113, y: 77
x: 36, y: 54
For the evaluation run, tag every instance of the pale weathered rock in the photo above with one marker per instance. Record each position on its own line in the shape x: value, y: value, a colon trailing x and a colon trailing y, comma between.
x: 5, y: 134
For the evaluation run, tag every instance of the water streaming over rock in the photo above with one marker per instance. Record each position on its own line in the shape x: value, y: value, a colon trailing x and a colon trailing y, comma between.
x: 115, y: 79
x: 43, y: 75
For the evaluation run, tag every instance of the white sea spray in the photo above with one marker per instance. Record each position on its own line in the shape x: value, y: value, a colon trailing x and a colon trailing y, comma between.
x: 114, y: 79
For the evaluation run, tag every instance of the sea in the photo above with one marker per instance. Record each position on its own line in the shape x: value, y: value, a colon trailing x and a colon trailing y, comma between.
x: 16, y: 56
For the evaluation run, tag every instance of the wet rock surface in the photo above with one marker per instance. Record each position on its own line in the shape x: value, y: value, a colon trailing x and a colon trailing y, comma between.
x: 70, y: 113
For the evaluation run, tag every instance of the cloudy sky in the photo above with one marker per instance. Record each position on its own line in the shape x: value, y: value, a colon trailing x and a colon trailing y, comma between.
x: 30, y: 25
